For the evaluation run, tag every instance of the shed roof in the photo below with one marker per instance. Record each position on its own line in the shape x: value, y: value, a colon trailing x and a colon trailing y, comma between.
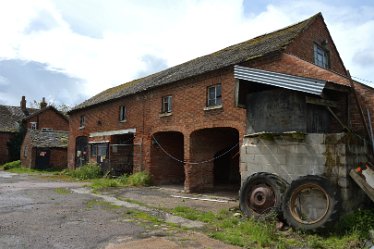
x: 45, y: 109
x: 10, y: 116
x: 251, y: 49
x: 48, y: 139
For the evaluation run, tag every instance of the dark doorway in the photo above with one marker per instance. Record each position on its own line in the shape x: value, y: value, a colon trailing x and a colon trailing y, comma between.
x: 42, y: 158
x: 215, y: 152
x: 81, y: 156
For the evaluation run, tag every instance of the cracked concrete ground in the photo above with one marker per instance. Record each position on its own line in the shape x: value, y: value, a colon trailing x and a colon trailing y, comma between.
x: 41, y: 213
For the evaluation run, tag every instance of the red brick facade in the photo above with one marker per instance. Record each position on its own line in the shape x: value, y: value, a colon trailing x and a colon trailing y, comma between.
x: 192, y: 133
x: 31, y: 150
x: 48, y: 118
x: 5, y: 137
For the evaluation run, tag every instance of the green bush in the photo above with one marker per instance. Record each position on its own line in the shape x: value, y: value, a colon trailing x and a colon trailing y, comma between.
x: 359, y: 221
x: 12, y: 165
x: 88, y: 171
x: 138, y: 179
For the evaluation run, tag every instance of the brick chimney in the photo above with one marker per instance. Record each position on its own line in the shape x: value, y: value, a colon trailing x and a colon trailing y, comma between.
x: 23, y: 104
x: 43, y: 104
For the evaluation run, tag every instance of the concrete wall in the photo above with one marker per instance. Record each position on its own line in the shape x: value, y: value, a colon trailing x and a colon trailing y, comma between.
x: 294, y: 155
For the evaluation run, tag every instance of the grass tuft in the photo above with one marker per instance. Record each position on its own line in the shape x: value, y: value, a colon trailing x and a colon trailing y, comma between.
x: 12, y: 165
x: 86, y: 172
x: 137, y: 179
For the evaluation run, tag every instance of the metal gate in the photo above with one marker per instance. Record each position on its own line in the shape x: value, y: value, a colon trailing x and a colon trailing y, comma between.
x: 121, y: 160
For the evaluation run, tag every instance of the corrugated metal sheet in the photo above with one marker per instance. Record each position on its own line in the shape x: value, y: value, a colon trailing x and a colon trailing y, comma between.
x: 306, y: 85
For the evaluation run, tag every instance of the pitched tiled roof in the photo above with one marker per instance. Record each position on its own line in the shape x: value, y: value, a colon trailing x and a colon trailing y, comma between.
x: 251, y: 49
x: 47, y: 108
x: 10, y: 116
x: 48, y: 139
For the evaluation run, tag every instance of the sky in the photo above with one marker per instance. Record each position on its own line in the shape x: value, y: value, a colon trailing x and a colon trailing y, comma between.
x: 69, y: 50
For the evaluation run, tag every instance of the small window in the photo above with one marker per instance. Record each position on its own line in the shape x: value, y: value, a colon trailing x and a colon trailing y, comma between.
x: 93, y: 150
x: 122, y: 113
x: 214, y: 97
x: 34, y: 125
x: 82, y: 122
x: 166, y: 104
x: 321, y: 56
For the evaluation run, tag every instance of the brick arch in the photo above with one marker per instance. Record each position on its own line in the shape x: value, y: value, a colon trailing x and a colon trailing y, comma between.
x: 166, y: 157
x: 218, y: 148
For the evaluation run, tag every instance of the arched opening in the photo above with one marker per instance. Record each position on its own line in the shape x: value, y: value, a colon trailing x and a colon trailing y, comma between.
x: 167, y: 154
x: 216, y: 154
x: 81, y: 148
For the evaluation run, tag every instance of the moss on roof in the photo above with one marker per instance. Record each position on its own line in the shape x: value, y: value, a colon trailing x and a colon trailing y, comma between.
x: 248, y: 50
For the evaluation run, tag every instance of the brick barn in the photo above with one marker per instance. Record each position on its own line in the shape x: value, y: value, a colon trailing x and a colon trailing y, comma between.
x: 46, y: 139
x: 184, y: 125
x: 10, y: 123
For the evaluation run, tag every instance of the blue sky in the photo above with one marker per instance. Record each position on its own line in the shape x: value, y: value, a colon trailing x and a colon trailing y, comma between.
x: 69, y: 50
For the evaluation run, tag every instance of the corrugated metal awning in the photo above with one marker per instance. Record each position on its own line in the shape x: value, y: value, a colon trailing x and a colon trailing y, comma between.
x: 296, y: 83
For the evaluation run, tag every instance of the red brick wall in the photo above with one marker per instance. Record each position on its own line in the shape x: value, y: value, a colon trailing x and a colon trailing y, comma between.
x: 28, y: 156
x: 366, y: 97
x: 49, y: 119
x: 4, y: 153
x: 164, y: 169
x: 58, y: 159
x: 143, y: 113
x: 303, y: 45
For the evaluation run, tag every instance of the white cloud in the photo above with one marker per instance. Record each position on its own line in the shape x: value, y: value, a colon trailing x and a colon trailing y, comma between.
x: 104, y: 43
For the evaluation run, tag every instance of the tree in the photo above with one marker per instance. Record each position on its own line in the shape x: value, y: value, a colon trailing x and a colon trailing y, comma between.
x: 14, y: 145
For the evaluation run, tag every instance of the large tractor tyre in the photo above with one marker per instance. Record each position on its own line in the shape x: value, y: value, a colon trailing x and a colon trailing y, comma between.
x: 261, y: 195
x: 311, y: 203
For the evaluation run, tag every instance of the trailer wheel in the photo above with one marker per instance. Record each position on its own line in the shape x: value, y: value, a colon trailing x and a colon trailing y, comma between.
x: 261, y: 195
x: 310, y: 203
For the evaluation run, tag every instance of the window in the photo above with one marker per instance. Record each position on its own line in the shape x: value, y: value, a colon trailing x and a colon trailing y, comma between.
x: 166, y: 104
x: 214, y: 97
x: 93, y: 150
x: 82, y: 121
x: 321, y: 56
x: 34, y: 125
x: 122, y: 113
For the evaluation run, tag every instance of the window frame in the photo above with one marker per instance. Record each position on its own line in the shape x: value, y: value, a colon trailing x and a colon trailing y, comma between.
x: 166, y: 104
x: 217, y: 98
x: 82, y: 121
x: 33, y: 125
x: 321, y: 56
x: 122, y: 113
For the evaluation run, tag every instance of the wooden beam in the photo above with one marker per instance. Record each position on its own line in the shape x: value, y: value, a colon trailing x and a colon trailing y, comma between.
x: 362, y: 184
x: 323, y: 102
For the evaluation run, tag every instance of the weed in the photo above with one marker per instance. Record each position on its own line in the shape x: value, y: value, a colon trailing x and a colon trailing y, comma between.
x: 12, y: 165
x: 62, y: 191
x: 143, y: 216
x: 88, y: 171
x: 104, y: 204
x: 137, y: 179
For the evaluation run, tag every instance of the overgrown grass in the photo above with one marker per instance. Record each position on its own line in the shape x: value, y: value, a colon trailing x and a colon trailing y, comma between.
x: 86, y: 172
x: 103, y: 204
x: 137, y: 179
x: 12, y: 165
x: 16, y: 167
x: 248, y: 233
x: 63, y: 191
